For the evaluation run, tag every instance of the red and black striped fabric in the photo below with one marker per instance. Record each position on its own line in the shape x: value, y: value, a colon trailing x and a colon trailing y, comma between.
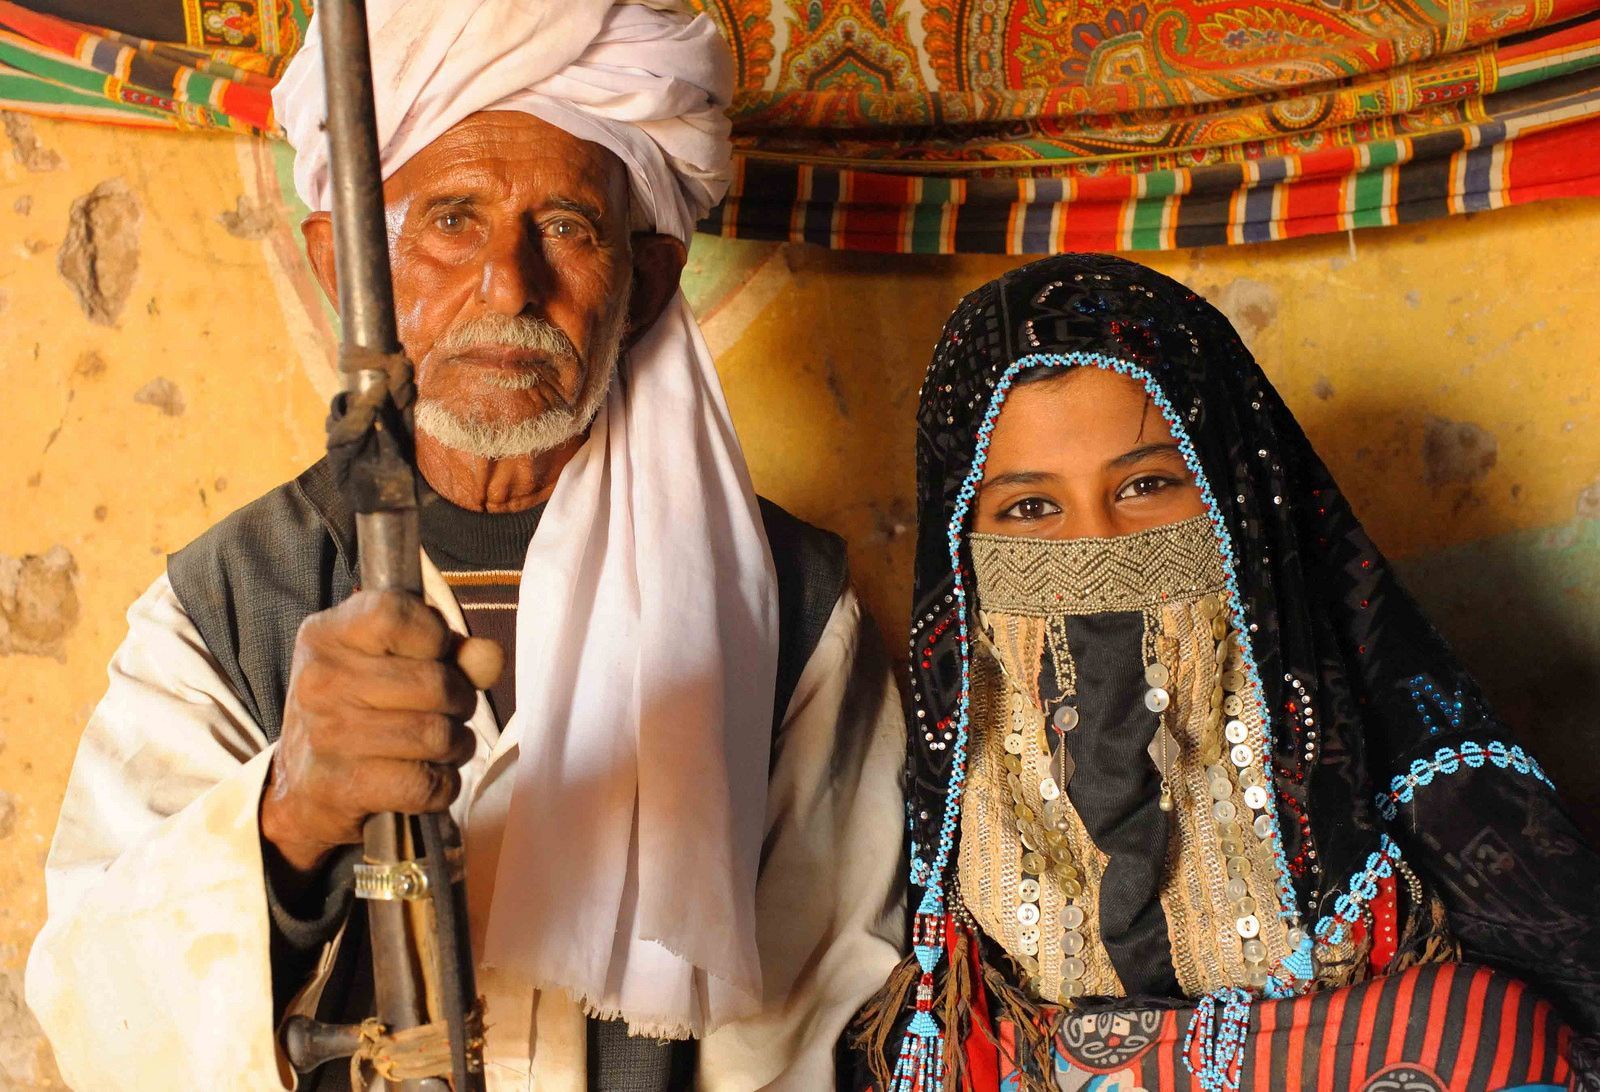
x: 1443, y: 1027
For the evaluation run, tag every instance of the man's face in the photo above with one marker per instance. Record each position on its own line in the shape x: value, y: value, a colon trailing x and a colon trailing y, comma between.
x: 509, y: 241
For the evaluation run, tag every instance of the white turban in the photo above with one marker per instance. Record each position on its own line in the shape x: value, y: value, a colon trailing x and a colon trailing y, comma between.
x: 647, y: 639
x: 642, y: 79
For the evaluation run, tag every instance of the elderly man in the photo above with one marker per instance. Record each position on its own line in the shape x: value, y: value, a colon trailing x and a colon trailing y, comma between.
x: 672, y: 800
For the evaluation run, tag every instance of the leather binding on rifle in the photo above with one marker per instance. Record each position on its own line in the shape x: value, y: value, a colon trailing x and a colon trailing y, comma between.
x: 427, y: 1033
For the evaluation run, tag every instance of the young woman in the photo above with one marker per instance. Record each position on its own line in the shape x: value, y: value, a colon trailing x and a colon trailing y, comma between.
x: 1196, y: 795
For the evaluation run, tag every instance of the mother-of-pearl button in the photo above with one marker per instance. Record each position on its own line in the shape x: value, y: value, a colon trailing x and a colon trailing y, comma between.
x: 1028, y: 914
x: 1065, y: 718
x: 1237, y: 731
x: 1255, y: 797
x: 1049, y: 790
x: 1028, y: 890
x: 1156, y: 699
x: 1248, y: 926
x: 1157, y: 675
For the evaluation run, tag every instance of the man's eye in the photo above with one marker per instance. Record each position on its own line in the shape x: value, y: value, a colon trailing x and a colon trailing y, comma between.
x: 451, y: 223
x: 1029, y: 508
x: 563, y: 229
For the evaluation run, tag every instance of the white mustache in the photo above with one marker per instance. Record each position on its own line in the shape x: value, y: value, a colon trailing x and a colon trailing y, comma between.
x: 523, y: 332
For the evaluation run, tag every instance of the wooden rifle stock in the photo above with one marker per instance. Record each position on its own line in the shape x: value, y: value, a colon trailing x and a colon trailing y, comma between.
x: 421, y: 956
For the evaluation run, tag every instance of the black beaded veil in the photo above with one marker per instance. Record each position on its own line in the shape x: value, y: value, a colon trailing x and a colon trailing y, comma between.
x: 1358, y: 689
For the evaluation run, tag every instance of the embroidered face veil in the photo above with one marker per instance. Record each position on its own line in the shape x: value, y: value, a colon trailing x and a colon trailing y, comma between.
x: 1255, y: 673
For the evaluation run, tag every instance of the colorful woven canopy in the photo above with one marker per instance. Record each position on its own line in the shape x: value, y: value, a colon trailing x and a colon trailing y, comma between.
x: 1017, y: 126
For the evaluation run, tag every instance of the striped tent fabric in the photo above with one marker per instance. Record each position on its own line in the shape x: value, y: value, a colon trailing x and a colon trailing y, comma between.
x: 1018, y: 127
x: 218, y: 76
x: 1000, y: 126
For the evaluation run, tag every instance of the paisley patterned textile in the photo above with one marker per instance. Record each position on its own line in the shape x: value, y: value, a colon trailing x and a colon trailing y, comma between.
x: 1015, y: 126
x: 1444, y: 1028
x: 1356, y: 684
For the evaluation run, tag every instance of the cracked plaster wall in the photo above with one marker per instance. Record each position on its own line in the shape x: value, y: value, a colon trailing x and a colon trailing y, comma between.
x: 1447, y: 372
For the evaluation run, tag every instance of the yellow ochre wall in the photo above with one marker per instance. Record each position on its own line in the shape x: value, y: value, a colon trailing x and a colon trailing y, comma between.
x: 1446, y: 371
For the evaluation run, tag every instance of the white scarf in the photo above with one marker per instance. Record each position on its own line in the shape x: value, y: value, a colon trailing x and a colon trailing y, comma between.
x: 647, y: 642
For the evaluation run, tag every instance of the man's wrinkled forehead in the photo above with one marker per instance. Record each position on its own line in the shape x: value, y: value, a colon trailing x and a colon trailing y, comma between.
x: 504, y: 155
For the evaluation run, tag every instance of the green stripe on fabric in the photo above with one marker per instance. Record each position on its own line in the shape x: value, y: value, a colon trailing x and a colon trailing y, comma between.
x: 19, y: 87
x: 50, y: 68
x: 1148, y: 215
x: 199, y: 88
x: 927, y: 216
x: 1367, y: 185
x: 1510, y: 79
x: 1160, y: 183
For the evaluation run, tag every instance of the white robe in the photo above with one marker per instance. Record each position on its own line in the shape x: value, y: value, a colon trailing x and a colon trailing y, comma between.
x: 152, y: 970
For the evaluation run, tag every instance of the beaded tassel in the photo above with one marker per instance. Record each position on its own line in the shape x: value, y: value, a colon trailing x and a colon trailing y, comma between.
x: 1220, y: 1043
x: 920, y: 1066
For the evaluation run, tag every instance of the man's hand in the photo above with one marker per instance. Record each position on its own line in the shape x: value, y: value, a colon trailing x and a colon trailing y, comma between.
x: 375, y: 720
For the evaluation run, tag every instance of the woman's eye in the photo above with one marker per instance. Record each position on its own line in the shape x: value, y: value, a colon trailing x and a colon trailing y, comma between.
x: 1030, y: 508
x: 1147, y: 486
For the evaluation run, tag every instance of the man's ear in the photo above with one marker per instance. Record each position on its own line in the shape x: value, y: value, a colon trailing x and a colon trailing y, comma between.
x: 657, y: 265
x: 317, y: 230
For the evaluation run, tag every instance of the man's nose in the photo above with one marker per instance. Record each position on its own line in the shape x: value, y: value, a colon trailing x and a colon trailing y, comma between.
x: 515, y: 276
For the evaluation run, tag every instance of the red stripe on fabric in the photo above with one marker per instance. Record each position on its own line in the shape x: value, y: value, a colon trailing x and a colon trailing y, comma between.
x: 1564, y: 38
x: 1260, y: 1045
x: 1332, y: 1030
x: 1506, y: 1039
x: 52, y: 33
x: 1116, y: 188
x: 1091, y: 225
x: 1473, y: 1028
x: 1299, y: 1021
x: 873, y: 217
x: 1402, y: 1007
x: 1166, y: 1065
x: 1563, y: 1070
x: 1437, y: 1004
x: 248, y: 104
x: 1556, y: 162
x: 1363, y: 1044
x: 1313, y: 204
x: 1541, y: 1016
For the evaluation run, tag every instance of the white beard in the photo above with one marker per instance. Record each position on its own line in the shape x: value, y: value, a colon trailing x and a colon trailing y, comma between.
x: 548, y: 430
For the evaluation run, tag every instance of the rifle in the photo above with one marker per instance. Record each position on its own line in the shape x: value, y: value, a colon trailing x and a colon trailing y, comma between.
x: 416, y: 907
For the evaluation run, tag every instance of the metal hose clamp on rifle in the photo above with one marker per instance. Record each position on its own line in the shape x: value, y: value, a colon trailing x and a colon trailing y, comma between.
x: 400, y: 881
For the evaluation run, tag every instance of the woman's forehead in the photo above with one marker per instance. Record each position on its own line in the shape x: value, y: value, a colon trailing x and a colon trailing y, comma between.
x: 1081, y: 411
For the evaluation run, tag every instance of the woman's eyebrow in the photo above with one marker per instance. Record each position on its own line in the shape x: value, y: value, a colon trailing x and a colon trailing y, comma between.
x: 1018, y: 477
x: 1144, y: 451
